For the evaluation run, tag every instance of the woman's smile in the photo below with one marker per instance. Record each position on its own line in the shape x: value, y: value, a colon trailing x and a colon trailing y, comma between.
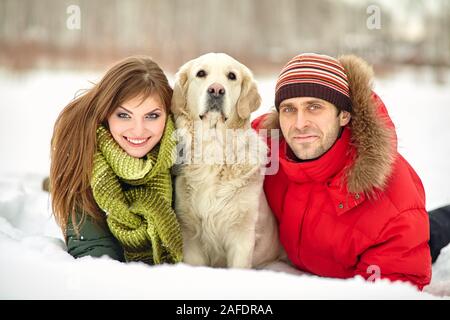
x: 137, y: 142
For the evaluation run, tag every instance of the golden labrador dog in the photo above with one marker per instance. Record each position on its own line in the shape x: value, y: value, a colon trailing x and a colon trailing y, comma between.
x: 219, y: 198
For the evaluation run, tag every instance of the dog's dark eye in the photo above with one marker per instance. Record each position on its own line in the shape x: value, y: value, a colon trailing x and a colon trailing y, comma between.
x: 201, y: 74
x: 231, y: 76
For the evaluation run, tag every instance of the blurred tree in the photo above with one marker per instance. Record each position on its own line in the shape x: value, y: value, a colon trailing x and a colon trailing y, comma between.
x: 261, y: 33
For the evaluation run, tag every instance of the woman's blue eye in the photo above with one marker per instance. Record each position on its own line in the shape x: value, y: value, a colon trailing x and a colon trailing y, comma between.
x: 153, y: 116
x: 123, y: 115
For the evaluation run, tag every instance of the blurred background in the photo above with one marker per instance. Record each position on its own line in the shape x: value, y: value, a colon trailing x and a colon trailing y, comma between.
x: 50, y: 49
x: 263, y: 34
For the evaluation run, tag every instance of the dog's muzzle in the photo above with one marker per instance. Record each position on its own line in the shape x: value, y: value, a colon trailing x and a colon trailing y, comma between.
x: 215, y: 97
x: 216, y: 94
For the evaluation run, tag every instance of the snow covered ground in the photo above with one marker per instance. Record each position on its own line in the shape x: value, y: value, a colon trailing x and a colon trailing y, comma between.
x: 33, y: 261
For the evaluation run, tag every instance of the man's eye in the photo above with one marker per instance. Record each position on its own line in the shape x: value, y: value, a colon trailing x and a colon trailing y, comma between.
x: 314, y: 107
x: 287, y: 109
x: 123, y: 115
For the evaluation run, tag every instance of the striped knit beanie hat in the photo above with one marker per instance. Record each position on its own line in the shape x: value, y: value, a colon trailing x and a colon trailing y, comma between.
x: 314, y: 75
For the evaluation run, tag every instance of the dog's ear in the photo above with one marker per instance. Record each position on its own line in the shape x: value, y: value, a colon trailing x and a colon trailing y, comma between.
x: 179, y: 100
x: 249, y: 99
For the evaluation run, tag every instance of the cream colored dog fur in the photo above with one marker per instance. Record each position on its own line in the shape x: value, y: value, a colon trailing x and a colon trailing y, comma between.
x: 224, y: 215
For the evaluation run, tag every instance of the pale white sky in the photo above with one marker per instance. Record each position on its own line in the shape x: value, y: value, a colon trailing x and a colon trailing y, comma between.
x: 407, y: 14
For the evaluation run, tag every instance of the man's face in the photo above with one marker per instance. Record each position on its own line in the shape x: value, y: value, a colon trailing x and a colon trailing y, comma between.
x: 310, y: 125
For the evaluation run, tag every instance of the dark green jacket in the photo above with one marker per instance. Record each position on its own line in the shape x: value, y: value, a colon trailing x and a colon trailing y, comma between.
x: 95, y: 240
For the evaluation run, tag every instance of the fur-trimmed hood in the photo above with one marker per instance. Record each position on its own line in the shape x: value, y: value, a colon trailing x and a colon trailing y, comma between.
x: 372, y: 132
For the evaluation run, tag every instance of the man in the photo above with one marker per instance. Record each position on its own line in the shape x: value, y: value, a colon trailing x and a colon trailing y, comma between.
x: 346, y: 201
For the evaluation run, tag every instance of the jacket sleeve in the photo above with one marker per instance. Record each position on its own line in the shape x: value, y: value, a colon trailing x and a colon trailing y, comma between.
x: 256, y: 123
x: 401, y: 252
x: 94, y: 240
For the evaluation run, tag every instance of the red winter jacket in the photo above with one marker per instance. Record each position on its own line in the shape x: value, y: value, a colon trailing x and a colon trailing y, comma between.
x: 357, y: 210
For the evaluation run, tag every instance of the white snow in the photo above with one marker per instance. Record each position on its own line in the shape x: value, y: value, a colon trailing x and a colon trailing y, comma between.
x: 33, y: 261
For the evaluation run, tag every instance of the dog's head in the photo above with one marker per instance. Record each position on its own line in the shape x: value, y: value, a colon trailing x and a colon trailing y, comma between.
x: 216, y: 86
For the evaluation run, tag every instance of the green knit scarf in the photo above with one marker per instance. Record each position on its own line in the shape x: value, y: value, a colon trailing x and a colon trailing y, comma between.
x: 136, y: 195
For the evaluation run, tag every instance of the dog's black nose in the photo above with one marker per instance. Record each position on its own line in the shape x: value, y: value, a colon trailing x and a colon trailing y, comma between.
x: 216, y: 90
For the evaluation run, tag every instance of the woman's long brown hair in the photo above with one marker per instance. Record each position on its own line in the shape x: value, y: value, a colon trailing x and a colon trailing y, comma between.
x: 73, y: 144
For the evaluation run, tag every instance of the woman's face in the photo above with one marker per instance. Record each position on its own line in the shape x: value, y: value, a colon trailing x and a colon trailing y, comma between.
x: 137, y: 125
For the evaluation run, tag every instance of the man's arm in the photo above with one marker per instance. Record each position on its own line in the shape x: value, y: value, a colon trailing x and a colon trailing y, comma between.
x: 401, y: 251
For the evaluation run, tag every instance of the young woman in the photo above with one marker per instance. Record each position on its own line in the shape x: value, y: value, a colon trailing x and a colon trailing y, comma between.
x: 110, y: 183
